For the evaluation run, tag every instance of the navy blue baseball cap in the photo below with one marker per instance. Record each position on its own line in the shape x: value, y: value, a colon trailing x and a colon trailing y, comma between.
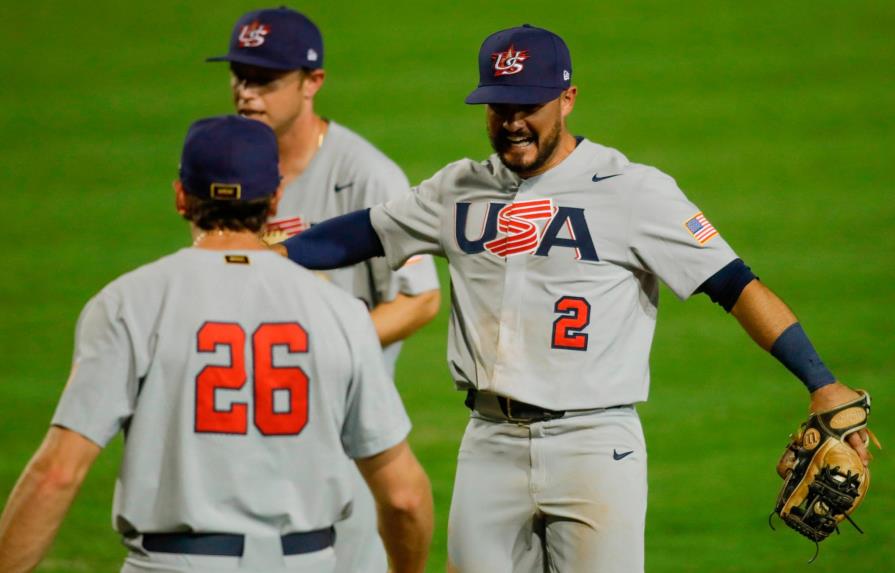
x: 524, y: 65
x: 230, y: 158
x: 277, y: 38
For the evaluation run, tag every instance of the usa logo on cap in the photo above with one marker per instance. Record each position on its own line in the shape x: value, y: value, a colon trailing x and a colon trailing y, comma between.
x: 523, y: 65
x: 252, y: 35
x: 509, y: 62
x: 276, y: 38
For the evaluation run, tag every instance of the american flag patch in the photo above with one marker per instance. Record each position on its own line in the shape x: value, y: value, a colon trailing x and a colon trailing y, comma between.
x: 700, y: 228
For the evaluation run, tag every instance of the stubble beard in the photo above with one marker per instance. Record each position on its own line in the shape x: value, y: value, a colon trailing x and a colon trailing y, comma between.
x: 546, y: 142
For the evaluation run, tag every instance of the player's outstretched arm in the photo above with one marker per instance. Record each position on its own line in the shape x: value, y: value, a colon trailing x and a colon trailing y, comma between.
x: 774, y: 327
x: 41, y: 498
x: 338, y: 242
x: 404, y: 499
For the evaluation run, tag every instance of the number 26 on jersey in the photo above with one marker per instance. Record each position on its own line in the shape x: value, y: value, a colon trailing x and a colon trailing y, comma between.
x: 267, y: 380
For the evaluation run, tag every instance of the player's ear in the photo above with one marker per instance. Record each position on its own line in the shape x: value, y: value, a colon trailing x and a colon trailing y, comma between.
x: 312, y: 82
x: 179, y: 197
x: 567, y: 100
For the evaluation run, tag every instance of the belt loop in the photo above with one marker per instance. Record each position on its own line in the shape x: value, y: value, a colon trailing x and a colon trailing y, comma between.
x: 470, y: 399
x: 262, y: 553
x: 506, y: 406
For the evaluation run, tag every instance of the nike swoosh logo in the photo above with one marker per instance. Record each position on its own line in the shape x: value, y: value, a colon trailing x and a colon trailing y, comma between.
x: 597, y: 179
x: 341, y: 187
x: 620, y: 456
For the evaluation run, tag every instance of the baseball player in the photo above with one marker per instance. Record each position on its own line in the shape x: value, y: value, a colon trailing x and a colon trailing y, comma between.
x: 556, y: 247
x: 276, y: 63
x: 238, y: 380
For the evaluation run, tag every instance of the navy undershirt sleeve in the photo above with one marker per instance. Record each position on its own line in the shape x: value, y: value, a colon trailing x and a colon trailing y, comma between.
x: 338, y: 242
x: 725, y: 286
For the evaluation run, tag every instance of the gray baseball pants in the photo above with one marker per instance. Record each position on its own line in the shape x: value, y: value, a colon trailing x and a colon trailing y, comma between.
x: 566, y: 495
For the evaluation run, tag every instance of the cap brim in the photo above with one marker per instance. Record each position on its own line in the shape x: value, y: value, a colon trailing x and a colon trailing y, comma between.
x: 252, y: 61
x: 523, y: 95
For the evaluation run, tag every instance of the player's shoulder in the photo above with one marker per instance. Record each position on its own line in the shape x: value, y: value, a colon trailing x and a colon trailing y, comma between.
x: 353, y: 145
x: 630, y: 177
x: 468, y: 173
x: 140, y: 286
x: 591, y: 155
x: 648, y: 181
x: 358, y: 155
x: 302, y: 282
x: 147, y: 276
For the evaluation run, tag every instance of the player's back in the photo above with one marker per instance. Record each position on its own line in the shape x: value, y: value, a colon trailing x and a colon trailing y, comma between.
x: 242, y: 368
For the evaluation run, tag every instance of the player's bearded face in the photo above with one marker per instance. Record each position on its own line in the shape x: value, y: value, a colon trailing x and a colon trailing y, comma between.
x: 525, y: 137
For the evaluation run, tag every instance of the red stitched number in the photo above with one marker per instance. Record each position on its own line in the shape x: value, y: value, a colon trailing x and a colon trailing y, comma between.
x: 567, y: 329
x: 268, y: 380
x: 212, y: 378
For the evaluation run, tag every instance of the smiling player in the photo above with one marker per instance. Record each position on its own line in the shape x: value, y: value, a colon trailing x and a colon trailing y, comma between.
x: 556, y: 247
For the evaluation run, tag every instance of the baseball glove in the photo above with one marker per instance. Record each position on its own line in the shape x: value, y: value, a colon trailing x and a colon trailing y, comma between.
x: 825, y: 479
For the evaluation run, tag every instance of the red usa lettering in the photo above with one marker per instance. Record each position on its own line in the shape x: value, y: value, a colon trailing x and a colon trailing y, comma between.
x: 252, y: 35
x: 520, y: 233
x: 509, y: 62
x: 516, y: 222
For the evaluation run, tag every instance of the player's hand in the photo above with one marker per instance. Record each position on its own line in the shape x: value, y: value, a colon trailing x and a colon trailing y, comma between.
x: 280, y: 249
x: 832, y: 395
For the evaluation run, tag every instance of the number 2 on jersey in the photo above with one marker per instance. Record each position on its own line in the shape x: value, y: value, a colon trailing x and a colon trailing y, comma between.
x: 568, y: 329
x: 267, y: 380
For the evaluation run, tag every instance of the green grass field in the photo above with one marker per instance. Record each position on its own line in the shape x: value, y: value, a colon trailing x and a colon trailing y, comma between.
x: 777, y: 118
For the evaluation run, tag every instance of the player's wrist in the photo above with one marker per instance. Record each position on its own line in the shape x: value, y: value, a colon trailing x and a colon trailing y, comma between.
x: 793, y: 349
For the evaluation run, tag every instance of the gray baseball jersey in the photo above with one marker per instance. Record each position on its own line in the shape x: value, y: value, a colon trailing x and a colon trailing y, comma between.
x: 346, y: 174
x: 555, y: 277
x: 240, y: 381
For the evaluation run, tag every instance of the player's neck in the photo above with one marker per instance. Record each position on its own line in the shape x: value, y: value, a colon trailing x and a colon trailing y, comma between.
x: 565, y: 147
x: 300, y: 143
x: 226, y: 240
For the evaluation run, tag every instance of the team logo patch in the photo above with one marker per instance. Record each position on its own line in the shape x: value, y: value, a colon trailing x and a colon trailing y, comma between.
x: 226, y: 191
x: 700, y: 228
x: 236, y: 259
x: 509, y: 62
x: 252, y: 35
x: 811, y: 439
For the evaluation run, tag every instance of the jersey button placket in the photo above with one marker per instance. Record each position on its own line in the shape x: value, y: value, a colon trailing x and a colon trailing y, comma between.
x: 508, y: 343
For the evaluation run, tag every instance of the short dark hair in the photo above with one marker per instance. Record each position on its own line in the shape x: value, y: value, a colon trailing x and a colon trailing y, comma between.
x: 212, y: 214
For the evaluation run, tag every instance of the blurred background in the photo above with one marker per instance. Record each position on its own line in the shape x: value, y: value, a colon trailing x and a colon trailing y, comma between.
x: 776, y: 118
